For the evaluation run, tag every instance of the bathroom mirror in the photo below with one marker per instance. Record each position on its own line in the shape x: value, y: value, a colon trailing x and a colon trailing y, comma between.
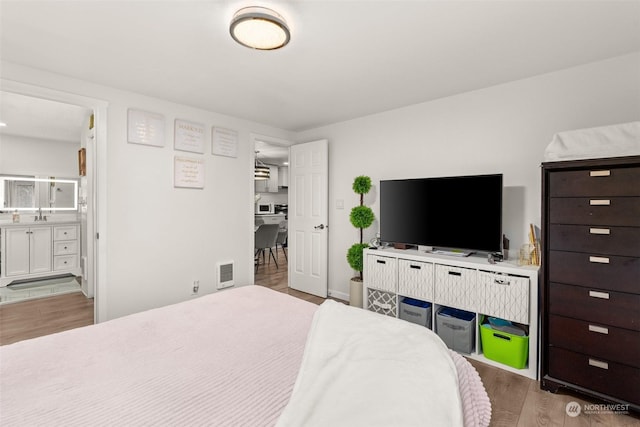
x: 32, y: 193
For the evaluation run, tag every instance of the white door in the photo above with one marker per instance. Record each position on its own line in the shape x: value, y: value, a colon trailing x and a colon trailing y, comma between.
x: 308, y: 216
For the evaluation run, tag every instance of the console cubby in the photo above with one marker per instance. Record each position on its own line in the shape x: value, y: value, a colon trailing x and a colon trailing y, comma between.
x: 503, y: 290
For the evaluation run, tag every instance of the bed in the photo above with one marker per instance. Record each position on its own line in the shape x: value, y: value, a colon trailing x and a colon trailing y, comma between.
x: 248, y: 356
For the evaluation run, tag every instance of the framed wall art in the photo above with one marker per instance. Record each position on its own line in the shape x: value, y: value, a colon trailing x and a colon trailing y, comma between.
x: 145, y: 128
x: 188, y: 136
x: 224, y: 142
x: 188, y: 172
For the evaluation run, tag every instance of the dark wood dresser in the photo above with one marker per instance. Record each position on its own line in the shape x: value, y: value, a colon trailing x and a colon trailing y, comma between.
x: 590, y: 302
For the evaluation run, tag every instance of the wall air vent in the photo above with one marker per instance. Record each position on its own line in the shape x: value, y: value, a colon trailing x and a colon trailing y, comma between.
x: 225, y: 274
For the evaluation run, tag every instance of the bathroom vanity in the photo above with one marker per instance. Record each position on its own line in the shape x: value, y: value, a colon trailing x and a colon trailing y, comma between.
x: 38, y: 249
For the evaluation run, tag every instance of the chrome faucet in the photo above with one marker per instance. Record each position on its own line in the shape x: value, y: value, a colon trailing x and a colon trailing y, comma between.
x: 39, y: 217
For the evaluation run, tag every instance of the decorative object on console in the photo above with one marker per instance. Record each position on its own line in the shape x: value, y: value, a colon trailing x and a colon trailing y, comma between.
x: 361, y: 217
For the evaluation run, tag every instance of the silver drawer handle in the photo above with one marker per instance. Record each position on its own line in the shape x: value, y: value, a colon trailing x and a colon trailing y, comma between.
x: 601, y: 295
x: 599, y: 231
x: 599, y: 259
x: 599, y: 329
x: 502, y: 282
x: 598, y: 364
x: 599, y: 202
x: 382, y: 305
x: 599, y: 173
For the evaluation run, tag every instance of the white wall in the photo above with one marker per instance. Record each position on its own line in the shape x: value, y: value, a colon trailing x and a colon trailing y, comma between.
x: 501, y: 129
x: 32, y: 156
x: 161, y: 238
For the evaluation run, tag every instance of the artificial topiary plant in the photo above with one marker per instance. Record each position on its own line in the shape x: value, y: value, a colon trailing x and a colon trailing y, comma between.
x: 361, y: 217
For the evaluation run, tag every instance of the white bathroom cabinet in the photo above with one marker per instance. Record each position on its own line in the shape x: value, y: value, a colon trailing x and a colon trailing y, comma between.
x: 37, y: 251
x: 28, y: 250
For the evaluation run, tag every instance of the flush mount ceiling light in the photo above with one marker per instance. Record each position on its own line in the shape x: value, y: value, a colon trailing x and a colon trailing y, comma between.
x: 262, y: 171
x: 259, y: 28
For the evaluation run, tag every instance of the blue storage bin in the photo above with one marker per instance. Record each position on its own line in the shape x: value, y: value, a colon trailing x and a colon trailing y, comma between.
x: 416, y: 311
x: 456, y: 328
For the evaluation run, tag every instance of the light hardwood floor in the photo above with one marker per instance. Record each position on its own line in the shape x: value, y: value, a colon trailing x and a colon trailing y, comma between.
x: 44, y: 316
x: 517, y: 401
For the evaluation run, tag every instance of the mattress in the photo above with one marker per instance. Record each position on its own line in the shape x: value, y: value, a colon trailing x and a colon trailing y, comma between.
x: 226, y: 359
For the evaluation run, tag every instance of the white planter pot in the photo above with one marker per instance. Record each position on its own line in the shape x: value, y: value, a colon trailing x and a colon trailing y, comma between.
x: 355, y: 293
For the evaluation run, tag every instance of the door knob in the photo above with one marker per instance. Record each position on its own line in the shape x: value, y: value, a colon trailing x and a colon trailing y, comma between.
x: 319, y: 227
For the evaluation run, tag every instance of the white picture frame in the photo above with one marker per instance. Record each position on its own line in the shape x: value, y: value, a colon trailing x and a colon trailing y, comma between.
x: 144, y: 127
x: 224, y: 142
x: 188, y: 172
x: 188, y: 136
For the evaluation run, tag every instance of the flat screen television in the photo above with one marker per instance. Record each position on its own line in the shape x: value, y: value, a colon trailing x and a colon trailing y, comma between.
x: 460, y: 212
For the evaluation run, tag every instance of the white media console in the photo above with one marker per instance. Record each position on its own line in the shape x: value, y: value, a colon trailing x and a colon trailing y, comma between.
x: 503, y: 290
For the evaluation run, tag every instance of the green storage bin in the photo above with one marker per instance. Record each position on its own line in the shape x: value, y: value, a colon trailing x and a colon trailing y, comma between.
x: 509, y: 349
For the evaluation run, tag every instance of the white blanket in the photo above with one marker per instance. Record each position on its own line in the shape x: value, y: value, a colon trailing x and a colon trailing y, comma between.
x: 227, y: 359
x: 364, y: 369
x: 593, y: 143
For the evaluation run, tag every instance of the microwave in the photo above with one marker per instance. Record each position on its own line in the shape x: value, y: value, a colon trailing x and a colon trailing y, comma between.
x: 265, y: 208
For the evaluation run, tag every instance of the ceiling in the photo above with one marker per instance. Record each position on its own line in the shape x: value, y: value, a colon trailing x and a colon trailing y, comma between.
x: 346, y: 59
x: 41, y: 119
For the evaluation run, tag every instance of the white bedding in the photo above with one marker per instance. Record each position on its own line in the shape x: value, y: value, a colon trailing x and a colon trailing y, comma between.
x: 605, y: 141
x: 364, y: 369
x: 227, y: 359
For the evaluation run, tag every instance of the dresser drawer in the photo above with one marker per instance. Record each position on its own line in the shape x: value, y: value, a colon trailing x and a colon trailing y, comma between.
x: 604, y: 272
x: 599, y: 375
x: 65, y: 247
x: 415, y: 279
x: 65, y: 262
x: 603, y: 341
x: 612, y: 211
x: 381, y: 273
x: 595, y: 305
x: 597, y: 181
x: 623, y: 241
x: 68, y: 232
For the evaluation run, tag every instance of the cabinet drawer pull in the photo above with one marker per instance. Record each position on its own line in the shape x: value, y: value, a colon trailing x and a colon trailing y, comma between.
x: 379, y: 261
x: 599, y: 329
x: 599, y: 202
x: 600, y: 173
x: 502, y: 282
x: 598, y: 364
x: 454, y: 273
x: 599, y: 259
x: 382, y: 305
x: 599, y: 231
x: 601, y: 295
x: 417, y: 267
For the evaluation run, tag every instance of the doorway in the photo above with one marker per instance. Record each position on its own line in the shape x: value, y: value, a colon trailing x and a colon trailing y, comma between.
x: 92, y: 194
x: 271, y: 197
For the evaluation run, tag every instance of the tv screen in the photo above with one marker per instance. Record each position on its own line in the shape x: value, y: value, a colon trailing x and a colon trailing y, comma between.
x: 463, y: 212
